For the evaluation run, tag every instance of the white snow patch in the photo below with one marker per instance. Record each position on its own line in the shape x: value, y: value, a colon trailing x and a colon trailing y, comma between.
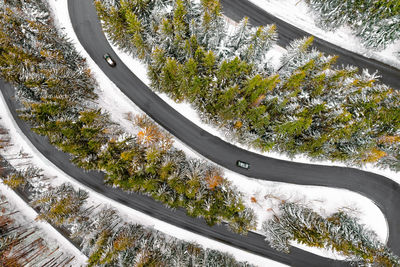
x: 274, y: 56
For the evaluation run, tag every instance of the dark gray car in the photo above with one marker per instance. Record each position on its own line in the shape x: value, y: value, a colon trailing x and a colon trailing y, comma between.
x: 243, y: 164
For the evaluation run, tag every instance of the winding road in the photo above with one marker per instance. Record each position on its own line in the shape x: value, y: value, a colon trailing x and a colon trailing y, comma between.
x: 237, y: 9
x: 253, y: 242
x: 384, y: 192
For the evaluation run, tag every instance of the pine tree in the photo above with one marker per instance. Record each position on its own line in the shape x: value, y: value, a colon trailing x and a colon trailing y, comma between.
x: 261, y: 41
x: 61, y: 205
x: 376, y: 22
x: 171, y: 77
x: 239, y: 41
x: 210, y: 29
x: 339, y: 232
x: 135, y: 29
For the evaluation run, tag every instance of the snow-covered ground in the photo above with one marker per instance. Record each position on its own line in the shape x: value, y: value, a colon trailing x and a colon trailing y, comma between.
x: 297, y: 13
x: 265, y: 193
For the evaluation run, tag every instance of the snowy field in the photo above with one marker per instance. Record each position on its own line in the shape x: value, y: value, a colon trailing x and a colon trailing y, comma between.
x: 260, y: 195
x: 297, y: 13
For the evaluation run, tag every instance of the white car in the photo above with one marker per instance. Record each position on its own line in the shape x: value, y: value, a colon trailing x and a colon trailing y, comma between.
x: 109, y: 60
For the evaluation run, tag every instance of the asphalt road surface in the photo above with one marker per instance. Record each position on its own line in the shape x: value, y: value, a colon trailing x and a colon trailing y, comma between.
x: 384, y: 192
x: 237, y: 9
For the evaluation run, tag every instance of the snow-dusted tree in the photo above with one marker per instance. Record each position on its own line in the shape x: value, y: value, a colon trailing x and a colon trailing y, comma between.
x: 14, y: 180
x: 107, y: 240
x: 83, y: 135
x: 297, y: 54
x: 116, y: 26
x: 376, y: 22
x: 61, y: 205
x: 290, y: 224
x: 239, y: 40
x: 171, y: 78
x: 210, y: 27
x: 261, y: 41
x: 340, y: 232
x: 19, y: 179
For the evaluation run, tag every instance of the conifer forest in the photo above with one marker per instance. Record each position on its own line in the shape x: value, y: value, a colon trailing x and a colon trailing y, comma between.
x: 306, y: 105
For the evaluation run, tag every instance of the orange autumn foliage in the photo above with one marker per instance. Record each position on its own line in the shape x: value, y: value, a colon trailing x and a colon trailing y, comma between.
x: 152, y: 135
x: 389, y: 139
x: 149, y: 135
x: 213, y: 180
x: 258, y: 101
x: 374, y: 155
x: 238, y: 124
